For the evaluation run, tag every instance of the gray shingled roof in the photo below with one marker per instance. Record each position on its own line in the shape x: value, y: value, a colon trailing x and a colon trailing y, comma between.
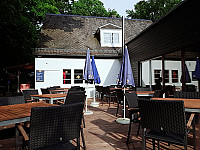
x: 68, y: 34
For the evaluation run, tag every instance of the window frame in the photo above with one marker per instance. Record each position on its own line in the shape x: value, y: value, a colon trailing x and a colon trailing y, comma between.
x: 112, y: 32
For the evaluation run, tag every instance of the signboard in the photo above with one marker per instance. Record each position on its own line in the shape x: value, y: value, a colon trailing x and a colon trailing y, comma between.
x: 39, y: 75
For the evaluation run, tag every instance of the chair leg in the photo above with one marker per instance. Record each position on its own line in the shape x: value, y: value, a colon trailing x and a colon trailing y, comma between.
x: 143, y: 139
x: 138, y: 131
x: 101, y: 98
x: 158, y: 145
x: 83, y: 140
x: 129, y: 130
x: 117, y: 108
x: 83, y: 121
x: 153, y: 141
x: 194, y: 134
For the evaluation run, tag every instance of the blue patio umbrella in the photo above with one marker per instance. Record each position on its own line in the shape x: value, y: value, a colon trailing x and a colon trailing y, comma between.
x: 125, y: 78
x: 95, y: 72
x: 96, y: 80
x: 187, y: 75
x: 196, y: 73
x: 88, y: 76
x: 88, y: 72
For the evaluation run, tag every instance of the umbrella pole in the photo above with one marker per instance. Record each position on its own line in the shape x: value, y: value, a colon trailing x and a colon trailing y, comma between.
x: 124, y: 103
x: 86, y: 111
x: 123, y: 120
x: 94, y: 103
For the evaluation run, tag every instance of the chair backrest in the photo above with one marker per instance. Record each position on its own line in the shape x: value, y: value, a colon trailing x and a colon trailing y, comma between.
x: 27, y: 93
x: 132, y: 99
x: 99, y: 88
x: 45, y: 91
x: 158, y: 93
x: 191, y: 95
x: 75, y: 97
x: 143, y: 89
x: 51, y: 125
x: 163, y: 115
x: 11, y: 100
x: 106, y: 90
x: 120, y: 95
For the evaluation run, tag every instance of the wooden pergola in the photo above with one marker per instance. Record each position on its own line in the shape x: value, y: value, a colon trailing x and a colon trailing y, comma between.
x: 176, y: 36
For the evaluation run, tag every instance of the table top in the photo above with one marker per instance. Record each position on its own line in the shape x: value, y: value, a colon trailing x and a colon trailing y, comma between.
x: 60, y: 90
x: 50, y: 95
x: 10, y: 112
x: 188, y: 103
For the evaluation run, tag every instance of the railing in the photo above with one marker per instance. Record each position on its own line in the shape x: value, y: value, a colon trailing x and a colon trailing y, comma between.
x: 76, y: 52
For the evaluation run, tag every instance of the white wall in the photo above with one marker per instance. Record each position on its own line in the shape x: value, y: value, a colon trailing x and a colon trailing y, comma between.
x: 53, y: 71
x: 169, y: 65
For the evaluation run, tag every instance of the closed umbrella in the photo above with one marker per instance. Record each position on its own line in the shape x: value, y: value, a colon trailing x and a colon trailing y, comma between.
x: 187, y: 75
x: 88, y: 76
x: 96, y: 80
x: 196, y: 73
x: 125, y: 78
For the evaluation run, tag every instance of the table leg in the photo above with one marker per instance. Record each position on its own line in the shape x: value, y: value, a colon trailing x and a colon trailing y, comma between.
x: 197, y: 134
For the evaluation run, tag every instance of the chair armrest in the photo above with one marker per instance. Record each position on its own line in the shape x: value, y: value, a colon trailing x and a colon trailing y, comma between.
x: 133, y: 110
x: 190, y: 120
x: 22, y: 131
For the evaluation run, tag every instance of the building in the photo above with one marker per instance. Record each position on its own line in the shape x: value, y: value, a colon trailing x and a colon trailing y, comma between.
x: 61, y: 51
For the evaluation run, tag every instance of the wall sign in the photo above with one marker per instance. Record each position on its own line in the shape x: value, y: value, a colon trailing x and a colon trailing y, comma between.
x: 39, y: 75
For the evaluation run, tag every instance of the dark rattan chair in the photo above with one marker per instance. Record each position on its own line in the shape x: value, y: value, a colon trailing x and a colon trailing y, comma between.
x: 11, y: 100
x: 133, y: 109
x: 45, y: 91
x: 27, y: 95
x: 166, y: 121
x: 120, y: 99
x: 108, y: 94
x: 53, y: 128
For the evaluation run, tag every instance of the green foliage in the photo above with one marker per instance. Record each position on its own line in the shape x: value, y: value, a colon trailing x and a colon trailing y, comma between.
x: 152, y: 9
x: 20, y: 23
x: 91, y: 8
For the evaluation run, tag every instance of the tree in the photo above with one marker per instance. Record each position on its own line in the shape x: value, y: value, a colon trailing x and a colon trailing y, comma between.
x: 91, y: 8
x: 152, y: 9
x: 20, y: 22
x: 19, y: 28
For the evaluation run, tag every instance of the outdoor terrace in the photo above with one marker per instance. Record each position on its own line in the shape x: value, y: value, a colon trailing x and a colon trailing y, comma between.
x: 102, y: 132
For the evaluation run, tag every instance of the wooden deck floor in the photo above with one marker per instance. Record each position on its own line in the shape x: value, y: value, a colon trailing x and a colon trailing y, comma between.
x: 102, y: 132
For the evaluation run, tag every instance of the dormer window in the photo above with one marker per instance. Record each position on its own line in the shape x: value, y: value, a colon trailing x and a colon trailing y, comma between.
x: 110, y: 36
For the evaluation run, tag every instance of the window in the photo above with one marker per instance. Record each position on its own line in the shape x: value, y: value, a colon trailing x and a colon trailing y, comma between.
x: 66, y: 76
x: 111, y: 37
x: 157, y: 75
x: 166, y: 76
x: 174, y: 76
x: 78, y: 76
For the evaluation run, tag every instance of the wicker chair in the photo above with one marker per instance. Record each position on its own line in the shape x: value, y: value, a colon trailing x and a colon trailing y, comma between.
x: 166, y: 121
x: 27, y: 95
x: 53, y: 128
x: 108, y: 94
x: 133, y: 109
x: 11, y: 100
x: 120, y: 99
x: 45, y: 91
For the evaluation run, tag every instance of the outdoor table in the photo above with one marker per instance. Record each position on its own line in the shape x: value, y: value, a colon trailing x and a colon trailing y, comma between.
x: 50, y: 97
x: 12, y: 114
x: 63, y: 91
x: 143, y: 93
x: 191, y: 105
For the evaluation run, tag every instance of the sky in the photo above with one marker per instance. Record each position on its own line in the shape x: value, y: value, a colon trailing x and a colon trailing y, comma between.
x: 120, y: 5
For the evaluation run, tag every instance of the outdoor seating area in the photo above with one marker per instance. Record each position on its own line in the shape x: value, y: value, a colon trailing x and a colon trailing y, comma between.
x: 103, y: 132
